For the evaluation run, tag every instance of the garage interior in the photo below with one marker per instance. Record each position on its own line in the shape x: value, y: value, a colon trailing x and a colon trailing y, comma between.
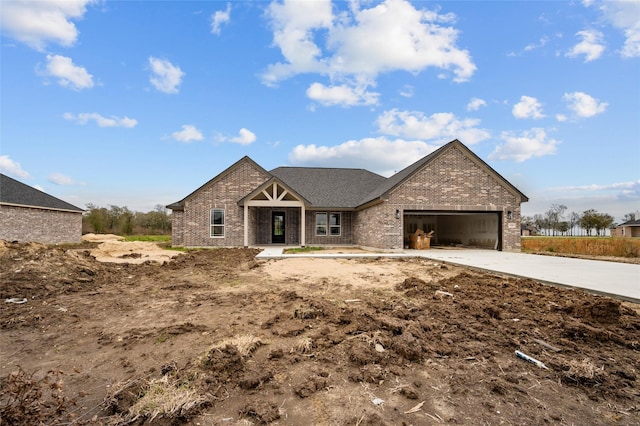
x: 453, y: 228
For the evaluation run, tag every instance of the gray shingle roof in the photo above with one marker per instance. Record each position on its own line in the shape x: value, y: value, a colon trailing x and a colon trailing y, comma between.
x: 329, y: 187
x: 17, y: 193
x: 348, y: 188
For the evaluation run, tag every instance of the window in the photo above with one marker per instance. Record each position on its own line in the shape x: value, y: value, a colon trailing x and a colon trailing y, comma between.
x: 334, y: 224
x: 217, y: 223
x: 328, y: 220
x: 321, y: 224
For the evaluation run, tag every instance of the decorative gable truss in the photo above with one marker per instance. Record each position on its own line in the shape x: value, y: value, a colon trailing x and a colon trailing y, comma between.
x: 273, y: 193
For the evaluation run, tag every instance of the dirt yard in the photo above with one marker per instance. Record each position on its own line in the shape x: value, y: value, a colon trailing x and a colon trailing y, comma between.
x: 97, y: 334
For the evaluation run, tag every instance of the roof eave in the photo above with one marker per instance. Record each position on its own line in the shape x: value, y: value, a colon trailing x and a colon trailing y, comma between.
x: 27, y: 206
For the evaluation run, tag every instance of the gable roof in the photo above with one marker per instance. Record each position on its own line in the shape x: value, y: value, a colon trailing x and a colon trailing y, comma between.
x: 396, y: 180
x: 179, y: 205
x: 631, y: 223
x: 267, y: 184
x: 342, y: 188
x: 329, y: 187
x: 19, y: 194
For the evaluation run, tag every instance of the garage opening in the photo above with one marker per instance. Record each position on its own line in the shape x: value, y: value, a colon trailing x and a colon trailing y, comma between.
x: 453, y: 228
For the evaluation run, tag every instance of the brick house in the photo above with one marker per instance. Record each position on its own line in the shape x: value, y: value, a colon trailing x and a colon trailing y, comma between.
x: 450, y: 191
x: 630, y: 228
x: 30, y: 215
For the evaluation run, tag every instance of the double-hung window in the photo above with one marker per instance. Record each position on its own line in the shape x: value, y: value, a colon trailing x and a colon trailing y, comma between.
x: 334, y: 224
x: 328, y: 224
x: 217, y: 223
x: 321, y: 224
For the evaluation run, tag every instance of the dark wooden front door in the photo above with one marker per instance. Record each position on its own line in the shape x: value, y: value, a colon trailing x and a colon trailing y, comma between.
x: 277, y: 228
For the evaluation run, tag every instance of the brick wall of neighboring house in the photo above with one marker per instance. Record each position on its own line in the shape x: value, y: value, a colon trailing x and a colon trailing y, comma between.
x: 224, y: 192
x: 345, y: 237
x: 453, y: 181
x: 40, y: 225
x: 177, y: 228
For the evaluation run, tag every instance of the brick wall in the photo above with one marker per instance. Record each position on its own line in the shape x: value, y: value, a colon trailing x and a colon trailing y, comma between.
x: 377, y: 227
x: 452, y: 181
x: 291, y: 225
x: 223, y: 192
x: 177, y: 228
x: 345, y: 237
x: 40, y: 225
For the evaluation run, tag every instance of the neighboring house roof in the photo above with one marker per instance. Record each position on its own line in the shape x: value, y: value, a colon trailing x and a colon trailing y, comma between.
x: 17, y: 193
x: 349, y: 188
x: 631, y: 223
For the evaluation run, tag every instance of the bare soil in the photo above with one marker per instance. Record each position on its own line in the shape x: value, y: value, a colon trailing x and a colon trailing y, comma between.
x: 215, y: 337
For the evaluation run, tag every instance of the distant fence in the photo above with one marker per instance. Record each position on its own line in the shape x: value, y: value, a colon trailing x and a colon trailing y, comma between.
x: 590, y: 246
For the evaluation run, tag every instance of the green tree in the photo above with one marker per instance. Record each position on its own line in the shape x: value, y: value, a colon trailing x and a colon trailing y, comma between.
x: 603, y: 222
x: 95, y: 219
x: 588, y: 220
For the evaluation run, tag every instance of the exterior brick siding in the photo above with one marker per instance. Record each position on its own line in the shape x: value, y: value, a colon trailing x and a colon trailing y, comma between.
x: 451, y: 182
x: 224, y: 192
x: 291, y: 225
x: 454, y: 181
x: 46, y: 226
x: 345, y: 237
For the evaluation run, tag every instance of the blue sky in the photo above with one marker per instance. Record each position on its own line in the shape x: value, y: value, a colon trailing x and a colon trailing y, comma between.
x: 138, y: 103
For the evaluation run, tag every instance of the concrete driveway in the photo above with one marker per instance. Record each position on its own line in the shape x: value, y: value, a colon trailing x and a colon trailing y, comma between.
x: 616, y: 279
x: 620, y: 280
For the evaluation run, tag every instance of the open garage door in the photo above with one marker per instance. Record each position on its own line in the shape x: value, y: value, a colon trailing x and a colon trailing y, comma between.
x: 465, y: 229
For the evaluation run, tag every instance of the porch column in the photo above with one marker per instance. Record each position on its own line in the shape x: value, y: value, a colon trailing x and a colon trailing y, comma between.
x: 246, y: 225
x: 303, y: 215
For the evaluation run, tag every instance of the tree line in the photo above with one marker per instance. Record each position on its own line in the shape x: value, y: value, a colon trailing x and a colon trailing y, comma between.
x: 122, y: 221
x: 555, y: 222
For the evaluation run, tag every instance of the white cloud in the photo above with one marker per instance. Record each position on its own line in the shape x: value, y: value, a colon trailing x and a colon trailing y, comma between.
x: 528, y: 107
x: 37, y: 23
x: 592, y: 45
x: 625, y: 16
x: 188, y: 134
x: 584, y: 105
x: 60, y: 179
x: 379, y: 155
x: 475, y: 104
x: 10, y: 167
x: 68, y: 74
x: 101, y: 121
x: 245, y: 137
x: 527, y: 145
x: 166, y: 77
x: 541, y: 43
x: 343, y: 95
x: 438, y: 128
x: 362, y: 43
x: 561, y: 117
x: 407, y: 91
x: 219, y: 18
x: 622, y: 191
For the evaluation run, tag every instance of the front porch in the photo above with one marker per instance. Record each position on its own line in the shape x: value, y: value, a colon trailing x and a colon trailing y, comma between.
x: 276, y: 215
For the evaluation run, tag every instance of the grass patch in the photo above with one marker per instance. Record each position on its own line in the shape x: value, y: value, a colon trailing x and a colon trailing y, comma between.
x: 306, y: 249
x: 589, y: 246
x: 165, y: 399
x: 149, y: 238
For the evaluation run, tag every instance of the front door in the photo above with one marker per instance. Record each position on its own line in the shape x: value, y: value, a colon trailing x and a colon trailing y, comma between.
x: 277, y: 228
